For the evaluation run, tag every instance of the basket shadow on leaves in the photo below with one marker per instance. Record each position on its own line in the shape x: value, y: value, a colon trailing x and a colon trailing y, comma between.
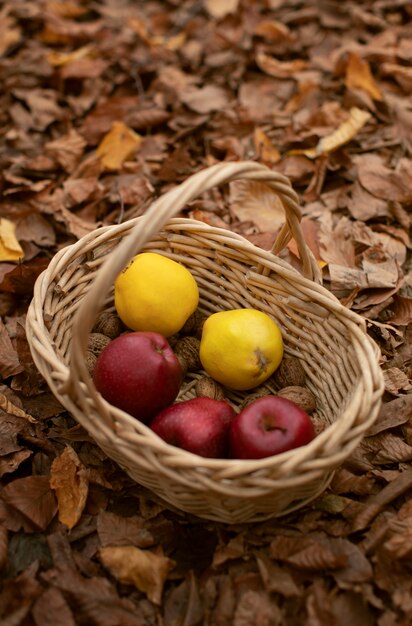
x: 340, y: 360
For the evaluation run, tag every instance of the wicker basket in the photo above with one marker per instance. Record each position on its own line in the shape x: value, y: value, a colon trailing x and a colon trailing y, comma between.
x: 340, y: 360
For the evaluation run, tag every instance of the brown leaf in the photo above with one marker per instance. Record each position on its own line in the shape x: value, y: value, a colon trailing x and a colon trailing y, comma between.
x: 32, y: 497
x: 99, y: 121
x: 279, y: 69
x: 4, y: 545
x: 51, y: 609
x: 20, y: 279
x: 317, y: 557
x: 392, y: 414
x: 260, y: 99
x: 67, y: 150
x: 273, y: 30
x: 115, y: 530
x: 396, y: 380
x: 206, y: 99
x: 221, y: 8
x: 264, y: 148
x: 69, y: 481
x: 17, y: 597
x: 10, y: 462
x: 9, y: 361
x: 401, y: 311
x: 359, y: 76
x: 399, y: 545
x: 364, y: 206
x: 383, y: 182
x: 255, y: 608
x: 387, y: 448
x: 95, y: 601
x: 83, y: 68
x: 43, y: 106
x: 276, y: 579
x: 256, y: 202
x: 119, y: 145
x: 336, y: 245
x: 145, y: 570
x: 10, y: 33
x: 234, y: 549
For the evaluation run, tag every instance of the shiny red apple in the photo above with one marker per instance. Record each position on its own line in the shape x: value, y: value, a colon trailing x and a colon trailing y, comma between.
x: 199, y: 425
x: 268, y: 426
x: 139, y: 373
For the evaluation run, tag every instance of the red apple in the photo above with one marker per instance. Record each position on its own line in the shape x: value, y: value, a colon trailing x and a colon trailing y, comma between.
x: 268, y: 426
x: 139, y: 373
x: 199, y: 425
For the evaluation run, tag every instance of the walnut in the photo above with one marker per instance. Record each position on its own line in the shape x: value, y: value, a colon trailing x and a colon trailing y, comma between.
x: 97, y: 342
x: 109, y: 324
x: 251, y: 397
x: 209, y: 388
x: 91, y: 360
x: 187, y: 351
x: 289, y: 373
x: 194, y: 324
x: 301, y: 396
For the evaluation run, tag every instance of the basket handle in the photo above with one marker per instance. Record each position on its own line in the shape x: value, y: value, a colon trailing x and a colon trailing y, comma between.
x: 158, y: 214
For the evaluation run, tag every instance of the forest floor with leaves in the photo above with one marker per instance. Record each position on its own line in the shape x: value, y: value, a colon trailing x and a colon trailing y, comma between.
x: 104, y: 106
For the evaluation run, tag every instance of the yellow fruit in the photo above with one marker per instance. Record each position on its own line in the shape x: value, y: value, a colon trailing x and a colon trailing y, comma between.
x: 240, y: 348
x: 155, y: 293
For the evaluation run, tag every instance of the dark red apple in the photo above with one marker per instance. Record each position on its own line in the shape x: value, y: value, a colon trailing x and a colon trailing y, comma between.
x: 199, y: 425
x: 268, y: 426
x: 139, y: 373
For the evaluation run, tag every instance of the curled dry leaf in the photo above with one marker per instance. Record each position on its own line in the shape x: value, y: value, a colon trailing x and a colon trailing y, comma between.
x: 10, y: 249
x: 69, y: 481
x: 119, y: 145
x: 279, y: 69
x: 145, y: 570
x: 359, y: 76
x: 342, y: 135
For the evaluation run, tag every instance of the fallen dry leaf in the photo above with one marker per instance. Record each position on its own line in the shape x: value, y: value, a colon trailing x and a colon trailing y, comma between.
x: 9, y: 360
x: 347, y: 131
x: 206, y: 99
x: 279, y: 69
x: 265, y: 150
x: 119, y: 145
x: 32, y: 498
x: 359, y: 76
x: 69, y: 482
x: 256, y: 202
x: 10, y: 249
x: 10, y: 33
x: 145, y: 570
x: 221, y: 8
x: 273, y: 30
x: 67, y: 150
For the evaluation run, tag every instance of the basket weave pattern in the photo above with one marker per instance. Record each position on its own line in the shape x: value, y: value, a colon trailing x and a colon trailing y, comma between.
x: 340, y: 360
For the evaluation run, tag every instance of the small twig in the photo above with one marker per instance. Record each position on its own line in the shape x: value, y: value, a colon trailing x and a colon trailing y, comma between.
x: 378, y: 502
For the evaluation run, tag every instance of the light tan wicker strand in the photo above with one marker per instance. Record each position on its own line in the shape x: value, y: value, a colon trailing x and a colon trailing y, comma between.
x: 339, y: 358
